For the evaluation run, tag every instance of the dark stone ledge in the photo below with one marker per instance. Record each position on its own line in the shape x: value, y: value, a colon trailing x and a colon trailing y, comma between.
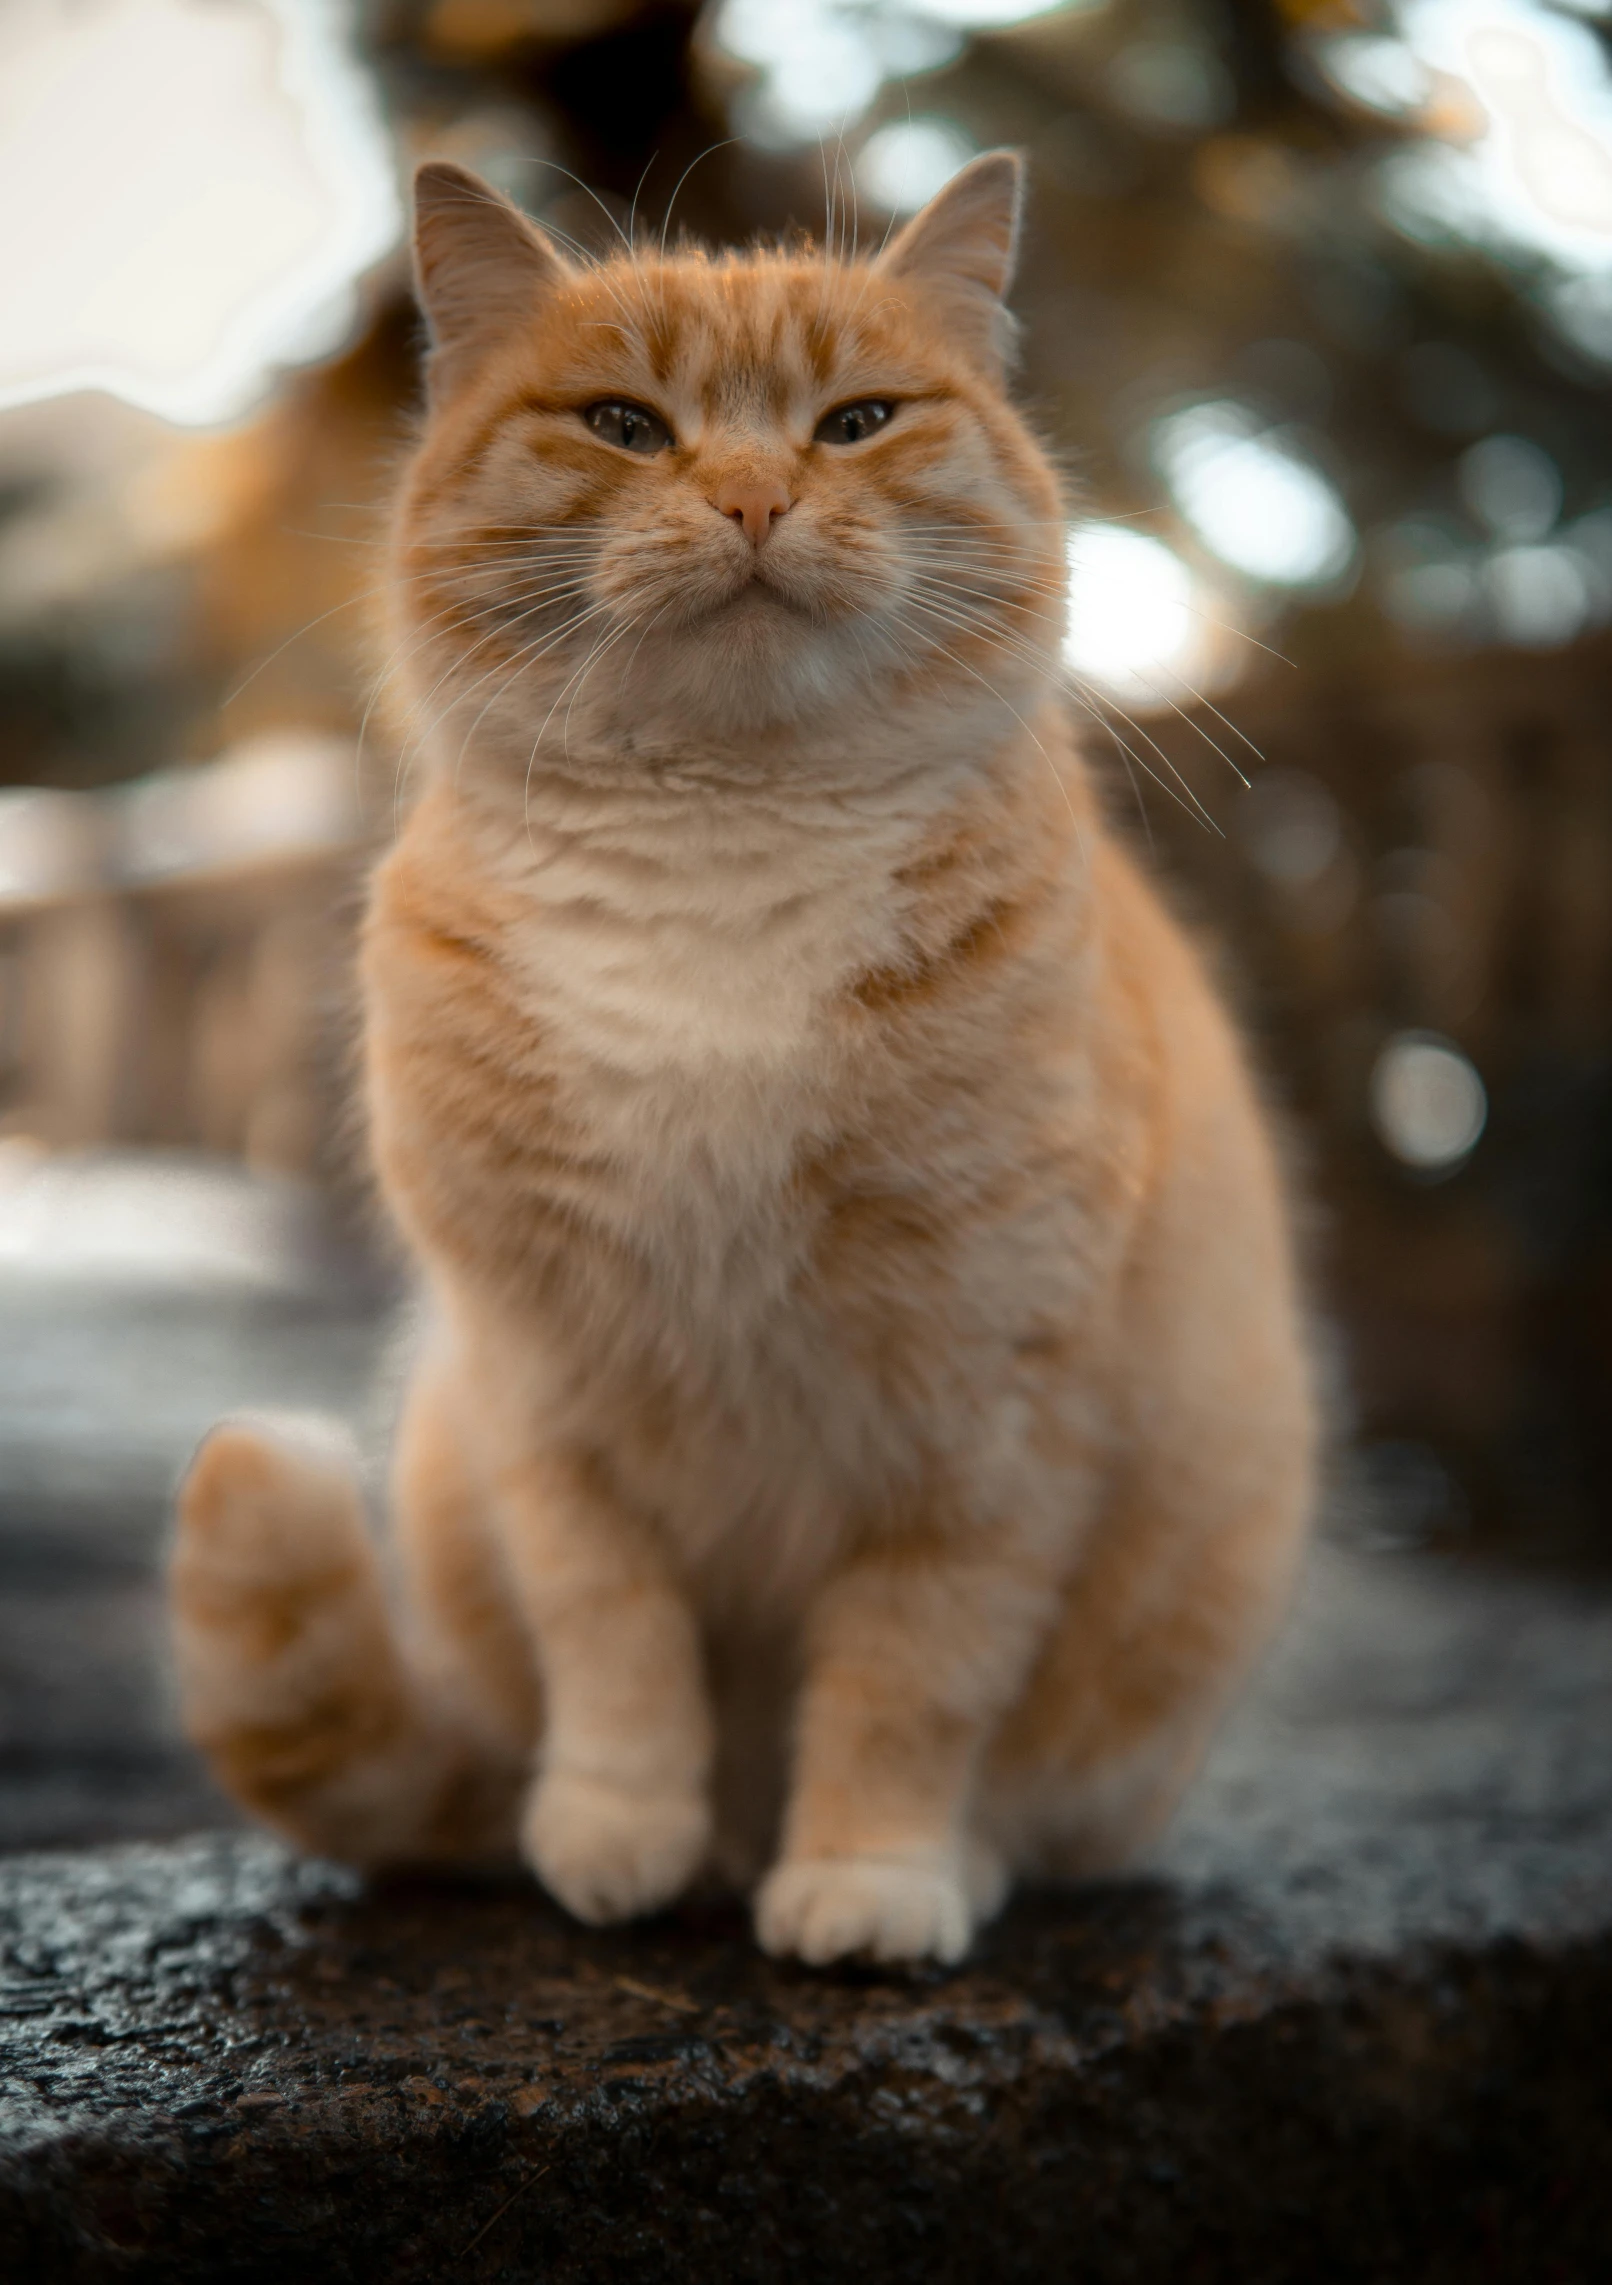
x: 1356, y: 2024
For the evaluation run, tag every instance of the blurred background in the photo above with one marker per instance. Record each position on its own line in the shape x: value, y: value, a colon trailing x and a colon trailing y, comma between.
x: 1318, y: 319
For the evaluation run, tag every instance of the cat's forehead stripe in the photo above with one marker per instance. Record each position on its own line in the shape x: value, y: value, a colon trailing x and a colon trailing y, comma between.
x: 766, y: 334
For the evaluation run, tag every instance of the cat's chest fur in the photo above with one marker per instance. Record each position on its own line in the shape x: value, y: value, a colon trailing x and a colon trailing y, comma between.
x: 690, y: 978
x: 634, y: 1088
x: 642, y: 1027
x: 687, y: 987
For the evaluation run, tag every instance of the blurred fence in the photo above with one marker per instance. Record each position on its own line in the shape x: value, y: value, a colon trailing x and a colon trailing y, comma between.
x: 1424, y: 863
x: 173, y: 955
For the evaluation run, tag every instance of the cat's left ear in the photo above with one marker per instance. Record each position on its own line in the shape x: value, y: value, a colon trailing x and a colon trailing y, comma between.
x: 480, y: 268
x: 961, y: 247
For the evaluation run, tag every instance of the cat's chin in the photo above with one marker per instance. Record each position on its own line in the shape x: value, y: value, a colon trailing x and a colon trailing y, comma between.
x: 753, y: 670
x: 752, y: 644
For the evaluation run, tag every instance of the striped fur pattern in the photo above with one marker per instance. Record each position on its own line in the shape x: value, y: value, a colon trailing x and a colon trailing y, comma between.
x: 862, y: 1432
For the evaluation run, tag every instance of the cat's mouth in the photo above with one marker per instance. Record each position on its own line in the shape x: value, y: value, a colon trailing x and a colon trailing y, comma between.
x: 802, y: 588
x: 753, y: 595
x: 770, y: 596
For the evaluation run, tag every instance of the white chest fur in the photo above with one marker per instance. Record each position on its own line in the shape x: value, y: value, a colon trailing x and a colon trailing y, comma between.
x: 685, y: 966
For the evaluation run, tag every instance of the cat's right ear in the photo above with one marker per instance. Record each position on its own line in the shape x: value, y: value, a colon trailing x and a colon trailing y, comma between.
x: 479, y: 267
x: 960, y: 251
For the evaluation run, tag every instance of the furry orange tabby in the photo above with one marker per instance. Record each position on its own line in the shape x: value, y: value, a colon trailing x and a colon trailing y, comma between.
x: 862, y: 1432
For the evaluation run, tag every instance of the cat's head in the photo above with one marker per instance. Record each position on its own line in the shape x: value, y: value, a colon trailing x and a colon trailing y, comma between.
x: 689, y: 496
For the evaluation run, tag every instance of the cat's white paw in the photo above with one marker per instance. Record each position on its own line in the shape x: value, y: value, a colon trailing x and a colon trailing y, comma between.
x: 825, y: 1908
x: 608, y: 1853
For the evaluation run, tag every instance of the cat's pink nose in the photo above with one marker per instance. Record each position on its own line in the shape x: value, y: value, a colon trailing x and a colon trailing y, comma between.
x: 753, y: 506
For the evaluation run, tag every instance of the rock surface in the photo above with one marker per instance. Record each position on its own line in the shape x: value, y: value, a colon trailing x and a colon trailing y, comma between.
x: 1354, y: 2024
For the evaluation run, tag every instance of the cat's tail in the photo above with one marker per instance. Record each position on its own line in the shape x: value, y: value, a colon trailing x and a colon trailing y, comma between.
x: 292, y: 1678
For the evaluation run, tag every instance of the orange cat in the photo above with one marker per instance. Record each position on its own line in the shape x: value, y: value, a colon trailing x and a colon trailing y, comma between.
x: 863, y: 1430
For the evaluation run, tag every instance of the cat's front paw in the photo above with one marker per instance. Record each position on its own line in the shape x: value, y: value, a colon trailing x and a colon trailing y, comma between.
x: 608, y: 1853
x: 825, y: 1908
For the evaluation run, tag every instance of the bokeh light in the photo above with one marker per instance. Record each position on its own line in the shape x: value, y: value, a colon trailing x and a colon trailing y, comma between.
x: 1512, y: 486
x: 901, y: 166
x: 204, y: 181
x: 1173, y: 86
x: 1543, y: 107
x: 1428, y: 1104
x: 1379, y: 73
x: 1522, y: 96
x: 1579, y: 311
x: 995, y: 15
x: 1540, y: 596
x: 1252, y: 499
x: 819, y: 64
x: 1137, y: 626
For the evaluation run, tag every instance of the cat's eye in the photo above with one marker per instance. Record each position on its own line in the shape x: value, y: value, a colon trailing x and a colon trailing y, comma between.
x: 633, y: 427
x: 849, y: 424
